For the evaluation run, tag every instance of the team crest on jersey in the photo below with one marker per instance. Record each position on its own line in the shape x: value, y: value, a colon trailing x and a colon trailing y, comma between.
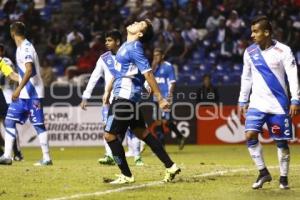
x: 275, y: 129
x: 109, y: 61
x: 256, y: 56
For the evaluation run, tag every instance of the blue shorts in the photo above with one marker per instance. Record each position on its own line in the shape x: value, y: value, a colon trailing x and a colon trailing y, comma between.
x: 22, y: 109
x: 279, y: 125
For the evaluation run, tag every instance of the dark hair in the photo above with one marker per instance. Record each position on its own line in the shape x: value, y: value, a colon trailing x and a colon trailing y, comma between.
x: 114, y: 34
x: 263, y: 22
x: 2, y: 47
x: 148, y: 33
x: 18, y: 28
x: 158, y: 49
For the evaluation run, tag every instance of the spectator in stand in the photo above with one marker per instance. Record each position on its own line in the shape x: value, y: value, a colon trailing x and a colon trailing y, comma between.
x: 55, y: 36
x: 235, y: 24
x: 207, y: 93
x: 227, y: 49
x: 85, y: 63
x: 76, y: 39
x: 213, y: 21
x: 63, y: 52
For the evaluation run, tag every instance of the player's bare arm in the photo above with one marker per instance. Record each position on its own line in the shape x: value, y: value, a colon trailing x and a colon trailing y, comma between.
x: 107, y: 92
x: 23, y: 82
x: 163, y: 103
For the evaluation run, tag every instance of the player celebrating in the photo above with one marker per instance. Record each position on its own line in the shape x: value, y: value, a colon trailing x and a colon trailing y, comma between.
x: 165, y: 77
x: 131, y: 70
x: 266, y: 64
x: 113, y: 41
x: 27, y: 98
x: 5, y: 100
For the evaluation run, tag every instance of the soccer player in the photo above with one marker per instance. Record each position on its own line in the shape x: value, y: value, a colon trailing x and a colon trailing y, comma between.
x: 131, y: 70
x: 165, y: 77
x: 268, y: 65
x: 5, y: 100
x: 27, y: 97
x: 113, y: 41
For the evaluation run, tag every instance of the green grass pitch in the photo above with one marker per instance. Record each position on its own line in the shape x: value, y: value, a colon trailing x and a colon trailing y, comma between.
x: 208, y: 172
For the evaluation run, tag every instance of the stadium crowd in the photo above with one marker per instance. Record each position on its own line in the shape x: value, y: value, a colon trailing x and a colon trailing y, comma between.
x: 199, y: 36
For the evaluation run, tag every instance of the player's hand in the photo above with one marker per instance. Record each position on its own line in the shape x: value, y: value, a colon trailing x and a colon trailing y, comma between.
x: 294, y: 110
x: 105, y: 98
x: 243, y: 109
x: 16, y: 94
x: 164, y: 105
x: 83, y: 104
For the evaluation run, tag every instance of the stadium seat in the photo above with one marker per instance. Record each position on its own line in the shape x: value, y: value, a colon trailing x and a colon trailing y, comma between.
x: 46, y: 14
x: 55, y: 5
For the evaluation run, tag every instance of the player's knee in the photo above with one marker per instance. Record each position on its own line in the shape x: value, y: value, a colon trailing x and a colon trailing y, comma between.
x: 8, y: 123
x: 282, y: 144
x: 40, y: 128
x: 251, y: 135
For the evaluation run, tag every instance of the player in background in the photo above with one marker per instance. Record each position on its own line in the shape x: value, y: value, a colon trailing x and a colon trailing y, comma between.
x: 130, y: 72
x: 113, y: 40
x: 27, y: 97
x: 268, y: 66
x: 6, y: 90
x: 165, y: 77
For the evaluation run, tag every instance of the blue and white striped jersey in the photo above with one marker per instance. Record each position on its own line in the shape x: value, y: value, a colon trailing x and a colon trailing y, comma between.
x: 130, y: 66
x: 164, y: 76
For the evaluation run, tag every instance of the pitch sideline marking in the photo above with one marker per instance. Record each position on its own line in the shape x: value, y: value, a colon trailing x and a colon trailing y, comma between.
x: 156, y: 183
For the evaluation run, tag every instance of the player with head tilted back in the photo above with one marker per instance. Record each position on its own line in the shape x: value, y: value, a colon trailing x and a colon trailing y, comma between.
x: 113, y: 40
x: 27, y: 97
x: 131, y: 70
x: 267, y: 64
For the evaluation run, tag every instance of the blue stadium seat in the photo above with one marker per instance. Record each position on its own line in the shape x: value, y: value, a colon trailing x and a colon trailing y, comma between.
x: 55, y: 5
x: 46, y: 13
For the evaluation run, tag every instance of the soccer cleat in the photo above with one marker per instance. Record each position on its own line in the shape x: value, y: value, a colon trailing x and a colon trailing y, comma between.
x: 171, y: 173
x: 107, y: 160
x: 122, y: 179
x: 261, y: 179
x: 138, y: 161
x: 5, y: 161
x: 18, y: 156
x: 43, y: 163
x: 283, y: 183
x: 181, y: 143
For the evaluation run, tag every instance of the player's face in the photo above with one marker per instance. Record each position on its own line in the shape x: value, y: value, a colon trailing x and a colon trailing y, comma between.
x: 157, y: 57
x: 137, y: 27
x: 111, y: 44
x: 258, y: 35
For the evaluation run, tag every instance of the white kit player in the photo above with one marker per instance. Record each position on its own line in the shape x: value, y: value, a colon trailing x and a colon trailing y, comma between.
x: 27, y: 97
x: 269, y: 70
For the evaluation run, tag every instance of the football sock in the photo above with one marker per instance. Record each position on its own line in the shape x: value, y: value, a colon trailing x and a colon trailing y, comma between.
x: 43, y: 137
x: 284, y: 160
x: 158, y: 149
x: 9, y: 142
x: 119, y: 156
x: 107, y: 149
x: 255, y: 150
